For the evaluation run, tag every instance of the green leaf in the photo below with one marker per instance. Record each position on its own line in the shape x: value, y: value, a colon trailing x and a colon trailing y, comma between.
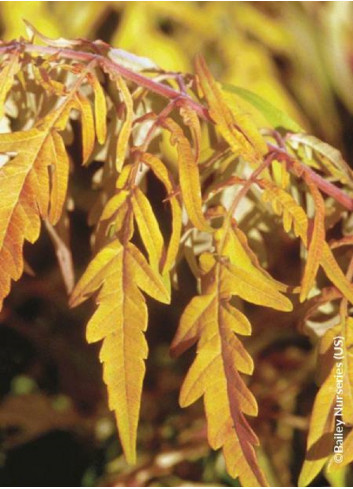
x: 275, y: 117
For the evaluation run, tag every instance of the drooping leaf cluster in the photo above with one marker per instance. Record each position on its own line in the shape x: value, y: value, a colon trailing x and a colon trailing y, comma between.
x: 219, y: 170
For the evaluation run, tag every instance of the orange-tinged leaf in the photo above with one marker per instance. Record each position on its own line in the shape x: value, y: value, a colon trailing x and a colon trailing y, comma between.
x: 36, y: 182
x: 212, y: 322
x: 28, y: 197
x: 7, y: 76
x: 188, y: 176
x: 120, y: 320
x: 162, y: 174
x: 100, y: 110
x: 87, y: 121
x: 237, y: 128
x: 315, y: 245
x: 125, y: 131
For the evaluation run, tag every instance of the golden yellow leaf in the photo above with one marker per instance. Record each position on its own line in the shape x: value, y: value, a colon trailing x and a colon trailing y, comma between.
x: 148, y: 226
x: 315, y: 247
x: 333, y: 402
x: 36, y: 182
x: 188, y: 176
x: 347, y: 344
x: 191, y: 119
x: 120, y: 320
x: 284, y: 205
x: 7, y: 76
x: 162, y: 174
x: 293, y: 215
x: 236, y: 247
x: 212, y: 322
x: 87, y: 121
x: 100, y: 109
x: 125, y: 131
x: 235, y: 126
x: 320, y: 437
x: 347, y: 452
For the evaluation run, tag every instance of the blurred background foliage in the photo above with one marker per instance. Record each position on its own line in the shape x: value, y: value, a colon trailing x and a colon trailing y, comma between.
x: 299, y: 56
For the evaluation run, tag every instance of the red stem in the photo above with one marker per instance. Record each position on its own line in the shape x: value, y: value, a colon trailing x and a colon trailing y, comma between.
x: 165, y: 91
x: 108, y: 65
x: 327, y: 187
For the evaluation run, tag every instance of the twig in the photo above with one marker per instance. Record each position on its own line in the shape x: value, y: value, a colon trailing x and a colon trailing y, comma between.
x: 109, y: 66
x: 327, y: 187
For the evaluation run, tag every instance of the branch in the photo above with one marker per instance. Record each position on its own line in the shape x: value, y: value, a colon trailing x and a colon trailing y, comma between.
x: 110, y: 66
x: 327, y: 187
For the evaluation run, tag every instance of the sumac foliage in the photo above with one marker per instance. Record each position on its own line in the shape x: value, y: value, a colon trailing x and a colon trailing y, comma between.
x: 227, y: 184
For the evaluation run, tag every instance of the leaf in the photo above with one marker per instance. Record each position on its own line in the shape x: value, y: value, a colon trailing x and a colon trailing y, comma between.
x: 236, y: 128
x: 275, y: 117
x: 191, y: 119
x: 236, y: 247
x: 7, y: 75
x: 131, y: 61
x: 212, y: 322
x: 317, y: 240
x: 328, y: 402
x: 125, y: 131
x: 284, y: 205
x: 88, y: 131
x: 100, y: 109
x: 120, y: 320
x: 347, y: 333
x: 320, y: 437
x: 330, y: 157
x: 188, y: 176
x: 335, y: 274
x: 162, y: 174
x: 347, y: 450
x: 36, y: 182
x: 148, y: 226
x: 294, y: 215
x: 254, y: 288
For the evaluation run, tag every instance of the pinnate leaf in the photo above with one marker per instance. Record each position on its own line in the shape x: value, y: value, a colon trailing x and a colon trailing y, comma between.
x: 212, y: 322
x: 36, y: 182
x: 120, y: 320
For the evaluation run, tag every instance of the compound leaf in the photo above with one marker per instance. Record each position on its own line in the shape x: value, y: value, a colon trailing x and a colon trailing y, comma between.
x: 120, y: 320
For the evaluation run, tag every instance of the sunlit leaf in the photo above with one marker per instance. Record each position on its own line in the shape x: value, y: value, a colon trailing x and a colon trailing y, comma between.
x: 274, y: 116
x: 125, y: 130
x: 188, y: 176
x: 120, y: 320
